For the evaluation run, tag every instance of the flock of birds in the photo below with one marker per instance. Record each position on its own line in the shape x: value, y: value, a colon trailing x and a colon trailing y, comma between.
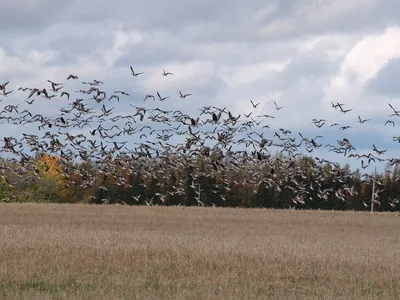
x: 148, y: 141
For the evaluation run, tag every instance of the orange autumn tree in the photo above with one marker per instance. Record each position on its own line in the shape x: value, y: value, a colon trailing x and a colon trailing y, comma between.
x: 51, y: 170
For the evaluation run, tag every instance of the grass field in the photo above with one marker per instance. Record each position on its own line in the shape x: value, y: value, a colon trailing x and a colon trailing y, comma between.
x: 117, y: 252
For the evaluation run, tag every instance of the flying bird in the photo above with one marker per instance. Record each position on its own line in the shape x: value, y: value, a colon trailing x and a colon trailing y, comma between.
x: 362, y: 121
x: 278, y: 107
x: 161, y: 98
x: 166, y: 73
x: 254, y: 105
x: 133, y: 72
x: 183, y: 96
x: 71, y: 76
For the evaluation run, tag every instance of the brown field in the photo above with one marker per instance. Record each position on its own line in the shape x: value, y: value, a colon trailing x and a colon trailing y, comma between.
x: 117, y: 252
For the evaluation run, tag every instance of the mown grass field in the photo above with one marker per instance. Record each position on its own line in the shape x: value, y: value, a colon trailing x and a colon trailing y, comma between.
x: 117, y: 252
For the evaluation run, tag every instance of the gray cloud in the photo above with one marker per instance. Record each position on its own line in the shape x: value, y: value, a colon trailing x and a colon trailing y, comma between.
x: 223, y: 52
x: 222, y: 21
x: 25, y: 17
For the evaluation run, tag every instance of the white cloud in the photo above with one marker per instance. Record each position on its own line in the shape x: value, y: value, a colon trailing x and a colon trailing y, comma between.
x: 359, y: 65
x: 41, y: 57
x: 122, y: 40
x: 371, y: 53
x: 238, y: 76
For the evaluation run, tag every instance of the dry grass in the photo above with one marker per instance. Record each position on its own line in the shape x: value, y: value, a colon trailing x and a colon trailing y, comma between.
x: 115, y: 252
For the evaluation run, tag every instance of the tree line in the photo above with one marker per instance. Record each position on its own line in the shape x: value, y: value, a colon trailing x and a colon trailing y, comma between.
x: 149, y: 181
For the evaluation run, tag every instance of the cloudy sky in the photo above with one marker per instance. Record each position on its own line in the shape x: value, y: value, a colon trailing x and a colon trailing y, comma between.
x: 301, y: 54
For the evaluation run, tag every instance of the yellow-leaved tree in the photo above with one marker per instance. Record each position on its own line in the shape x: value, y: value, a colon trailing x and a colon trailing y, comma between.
x: 53, y: 174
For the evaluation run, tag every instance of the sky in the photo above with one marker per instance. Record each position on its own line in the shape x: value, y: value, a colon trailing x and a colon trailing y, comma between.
x: 301, y: 54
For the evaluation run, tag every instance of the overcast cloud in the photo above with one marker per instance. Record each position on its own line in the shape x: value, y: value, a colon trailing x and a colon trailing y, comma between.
x: 302, y: 54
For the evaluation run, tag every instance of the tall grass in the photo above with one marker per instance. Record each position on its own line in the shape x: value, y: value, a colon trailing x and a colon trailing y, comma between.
x: 117, y: 252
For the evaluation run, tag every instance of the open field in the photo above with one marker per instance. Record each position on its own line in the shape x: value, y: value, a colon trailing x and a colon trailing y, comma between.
x: 116, y: 252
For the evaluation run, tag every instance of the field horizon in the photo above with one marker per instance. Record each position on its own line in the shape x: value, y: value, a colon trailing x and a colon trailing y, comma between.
x: 77, y: 251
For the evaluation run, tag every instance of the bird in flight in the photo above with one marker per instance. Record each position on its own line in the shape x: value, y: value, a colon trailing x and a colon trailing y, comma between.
x: 345, y: 111
x: 71, y: 76
x: 389, y: 122
x: 362, y: 121
x: 167, y: 73
x: 396, y: 112
x: 278, y: 107
x: 183, y: 96
x: 379, y: 152
x: 133, y: 72
x: 254, y: 104
x: 161, y: 98
x: 149, y: 96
